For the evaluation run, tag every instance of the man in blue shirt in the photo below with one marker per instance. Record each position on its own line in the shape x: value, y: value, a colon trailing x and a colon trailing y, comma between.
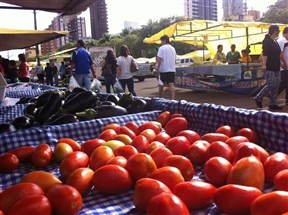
x: 82, y: 62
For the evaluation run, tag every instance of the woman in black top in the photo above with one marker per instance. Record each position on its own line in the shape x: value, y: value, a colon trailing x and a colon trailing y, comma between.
x: 109, y: 68
x: 271, y: 67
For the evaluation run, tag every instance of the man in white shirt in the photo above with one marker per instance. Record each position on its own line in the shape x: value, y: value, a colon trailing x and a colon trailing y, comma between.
x: 283, y: 43
x: 165, y: 66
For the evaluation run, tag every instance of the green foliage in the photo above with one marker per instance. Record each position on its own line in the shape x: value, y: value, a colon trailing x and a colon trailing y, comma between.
x: 277, y: 13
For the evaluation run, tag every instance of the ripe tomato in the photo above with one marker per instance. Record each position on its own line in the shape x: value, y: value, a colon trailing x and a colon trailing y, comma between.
x: 183, y: 164
x: 270, y: 203
x: 81, y: 179
x: 140, y: 143
x: 154, y: 145
x: 246, y: 150
x: 169, y: 175
x: 249, y: 133
x: 168, y: 204
x: 149, y: 125
x: 100, y: 157
x: 125, y: 130
x: 124, y: 138
x: 159, y: 156
x: 221, y: 149
x: 235, y: 141
x: 16, y: 192
x: 35, y: 204
x: 74, y: 144
x: 149, y: 134
x: 175, y: 125
x: 212, y: 137
x: 191, y: 136
x: 8, y: 163
x: 162, y: 138
x: 145, y: 189
x: 247, y: 171
x: 118, y: 160
x: 114, y: 144
x: 226, y: 129
x: 176, y: 115
x: 65, y: 199
x: 90, y: 145
x: 236, y: 199
x: 195, y: 194
x: 108, y: 134
x: 274, y: 164
x: 61, y: 150
x: 126, y: 151
x: 43, y: 179
x: 133, y: 126
x: 197, y: 152
x: 112, y: 179
x: 281, y: 180
x: 42, y: 155
x: 72, y: 162
x: 216, y: 171
x: 140, y: 165
x: 23, y: 153
x: 178, y: 145
x: 113, y: 126
x: 164, y: 117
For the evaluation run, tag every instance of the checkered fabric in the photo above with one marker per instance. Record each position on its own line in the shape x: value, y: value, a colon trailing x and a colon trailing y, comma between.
x: 203, y: 118
x: 8, y: 113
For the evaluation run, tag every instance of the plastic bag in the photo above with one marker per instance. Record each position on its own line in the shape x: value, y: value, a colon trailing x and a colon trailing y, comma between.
x: 118, y: 87
x: 73, y: 83
x: 160, y: 83
x: 96, y: 85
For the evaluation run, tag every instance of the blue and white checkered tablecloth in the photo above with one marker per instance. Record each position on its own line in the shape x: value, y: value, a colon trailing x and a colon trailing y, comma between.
x: 203, y: 118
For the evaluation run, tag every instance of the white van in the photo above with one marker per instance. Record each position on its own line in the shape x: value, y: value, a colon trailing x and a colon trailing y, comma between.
x: 184, y: 61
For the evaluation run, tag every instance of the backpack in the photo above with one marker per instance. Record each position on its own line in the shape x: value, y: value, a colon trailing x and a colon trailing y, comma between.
x: 107, y: 70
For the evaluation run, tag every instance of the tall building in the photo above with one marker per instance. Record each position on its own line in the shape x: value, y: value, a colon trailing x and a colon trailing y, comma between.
x: 233, y: 9
x: 77, y: 28
x: 255, y: 14
x: 204, y: 9
x: 99, y: 20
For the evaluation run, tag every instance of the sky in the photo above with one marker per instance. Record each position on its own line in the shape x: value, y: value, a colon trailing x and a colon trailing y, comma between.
x: 139, y: 11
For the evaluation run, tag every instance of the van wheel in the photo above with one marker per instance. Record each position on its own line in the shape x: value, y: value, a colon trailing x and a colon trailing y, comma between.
x: 140, y: 79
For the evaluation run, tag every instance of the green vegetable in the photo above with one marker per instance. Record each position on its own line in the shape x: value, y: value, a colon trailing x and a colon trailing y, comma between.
x: 88, y: 114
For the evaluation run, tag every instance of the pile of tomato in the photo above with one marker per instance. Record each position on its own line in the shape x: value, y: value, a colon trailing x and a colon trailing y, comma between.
x: 159, y: 160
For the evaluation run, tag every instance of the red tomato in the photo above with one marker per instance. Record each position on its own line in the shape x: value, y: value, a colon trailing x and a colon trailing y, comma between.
x: 124, y: 138
x: 176, y: 115
x: 169, y: 175
x: 74, y: 144
x: 1, y: 212
x: 246, y: 150
x: 100, y: 157
x: 159, y: 156
x: 140, y: 143
x: 118, y: 160
x: 178, y: 145
x: 175, y: 125
x: 247, y: 171
x: 23, y: 153
x: 226, y: 129
x: 16, y: 192
x: 162, y: 138
x: 249, y: 133
x: 281, y: 180
x: 112, y: 179
x: 154, y: 145
x: 133, y: 126
x: 236, y: 199
x: 164, y: 117
x: 108, y: 134
x: 149, y: 134
x: 212, y: 137
x: 145, y: 189
x: 125, y: 130
x: 149, y: 125
x: 197, y: 152
x: 42, y: 155
x: 43, y: 179
x: 183, y: 164
x: 81, y: 179
x: 168, y: 204
x: 195, y: 194
x: 191, y: 136
x: 235, y: 141
x: 35, y: 204
x: 72, y: 162
x: 274, y: 164
x: 270, y: 203
x: 216, y: 171
x: 8, y: 163
x: 90, y: 145
x: 140, y: 165
x: 65, y: 199
x: 126, y: 151
x: 221, y: 149
x: 113, y: 126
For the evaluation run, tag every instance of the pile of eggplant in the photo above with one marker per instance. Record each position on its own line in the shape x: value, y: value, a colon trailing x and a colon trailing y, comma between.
x: 63, y: 107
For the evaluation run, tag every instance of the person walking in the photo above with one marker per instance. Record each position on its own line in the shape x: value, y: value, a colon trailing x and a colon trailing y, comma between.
x: 109, y: 70
x: 165, y: 66
x: 40, y: 73
x: 271, y: 67
x: 63, y: 70
x: 283, y: 43
x: 83, y: 64
x: 23, y: 69
x: 124, y: 73
x: 55, y: 74
x: 48, y: 74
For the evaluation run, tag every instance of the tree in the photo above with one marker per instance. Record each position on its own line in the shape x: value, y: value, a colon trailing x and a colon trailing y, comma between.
x: 277, y: 13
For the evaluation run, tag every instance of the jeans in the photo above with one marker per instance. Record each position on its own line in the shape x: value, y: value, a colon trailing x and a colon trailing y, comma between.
x: 83, y: 80
x: 109, y: 81
x: 49, y: 80
x: 130, y: 84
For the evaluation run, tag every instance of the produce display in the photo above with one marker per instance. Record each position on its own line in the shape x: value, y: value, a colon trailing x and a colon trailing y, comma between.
x: 158, y: 166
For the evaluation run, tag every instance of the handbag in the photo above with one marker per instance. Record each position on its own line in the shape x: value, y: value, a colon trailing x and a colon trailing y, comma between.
x: 133, y: 66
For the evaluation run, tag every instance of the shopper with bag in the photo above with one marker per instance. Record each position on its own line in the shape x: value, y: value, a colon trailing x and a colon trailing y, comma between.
x: 124, y: 73
x: 109, y: 70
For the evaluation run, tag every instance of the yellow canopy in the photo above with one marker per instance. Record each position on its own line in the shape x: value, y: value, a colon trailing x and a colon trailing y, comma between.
x: 19, y: 39
x: 213, y: 33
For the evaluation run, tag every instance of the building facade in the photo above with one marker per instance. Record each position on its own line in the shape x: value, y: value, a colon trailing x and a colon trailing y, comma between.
x: 99, y: 20
x: 234, y: 9
x: 255, y: 14
x: 201, y: 9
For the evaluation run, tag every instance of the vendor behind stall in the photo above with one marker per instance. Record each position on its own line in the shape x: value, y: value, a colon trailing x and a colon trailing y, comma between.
x: 220, y: 56
x: 245, y: 57
x: 233, y: 56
